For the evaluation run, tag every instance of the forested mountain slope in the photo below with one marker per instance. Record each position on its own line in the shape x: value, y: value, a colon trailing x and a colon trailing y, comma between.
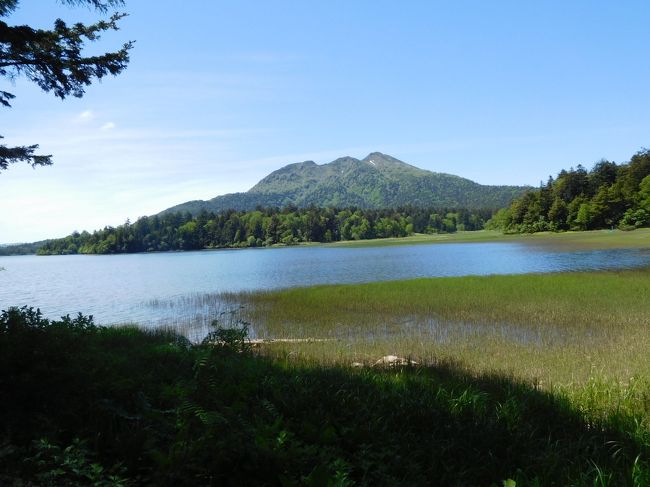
x: 377, y: 181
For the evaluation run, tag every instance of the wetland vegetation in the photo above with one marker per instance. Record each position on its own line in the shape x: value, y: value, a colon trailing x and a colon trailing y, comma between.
x: 557, y: 328
x: 541, y: 379
x: 122, y: 406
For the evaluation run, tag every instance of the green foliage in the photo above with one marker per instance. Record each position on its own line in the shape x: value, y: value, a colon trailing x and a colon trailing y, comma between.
x: 232, y: 338
x: 54, y: 60
x: 26, y: 319
x: 51, y: 465
x: 377, y: 181
x: 68, y: 380
x: 608, y: 196
x: 263, y: 227
x: 120, y: 406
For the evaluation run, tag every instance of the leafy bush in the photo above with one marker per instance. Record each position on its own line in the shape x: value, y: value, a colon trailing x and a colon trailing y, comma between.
x: 232, y: 338
x: 24, y: 319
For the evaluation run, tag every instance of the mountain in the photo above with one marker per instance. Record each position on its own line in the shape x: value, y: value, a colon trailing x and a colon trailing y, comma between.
x: 377, y: 181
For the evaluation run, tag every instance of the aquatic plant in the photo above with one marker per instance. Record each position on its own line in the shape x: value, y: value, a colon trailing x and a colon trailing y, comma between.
x: 140, y: 407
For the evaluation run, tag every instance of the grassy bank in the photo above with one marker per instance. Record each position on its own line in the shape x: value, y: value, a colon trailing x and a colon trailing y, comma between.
x: 597, y: 239
x: 583, y: 337
x: 84, y: 405
x: 543, y: 379
x: 558, y: 328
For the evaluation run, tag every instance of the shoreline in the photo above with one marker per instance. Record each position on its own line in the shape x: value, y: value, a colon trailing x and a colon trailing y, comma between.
x: 580, y: 240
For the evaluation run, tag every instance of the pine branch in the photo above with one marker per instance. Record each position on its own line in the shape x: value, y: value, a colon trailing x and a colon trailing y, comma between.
x: 53, y: 59
x: 11, y: 155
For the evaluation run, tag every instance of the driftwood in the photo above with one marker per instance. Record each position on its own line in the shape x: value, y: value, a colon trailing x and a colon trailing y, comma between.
x: 393, y: 361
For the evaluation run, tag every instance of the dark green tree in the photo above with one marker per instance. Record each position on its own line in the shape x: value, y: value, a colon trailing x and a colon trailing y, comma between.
x: 54, y: 60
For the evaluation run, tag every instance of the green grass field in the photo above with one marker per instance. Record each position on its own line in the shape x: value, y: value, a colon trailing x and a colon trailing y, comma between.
x: 597, y: 239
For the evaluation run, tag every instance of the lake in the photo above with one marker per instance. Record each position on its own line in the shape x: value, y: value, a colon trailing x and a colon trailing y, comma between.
x: 154, y: 289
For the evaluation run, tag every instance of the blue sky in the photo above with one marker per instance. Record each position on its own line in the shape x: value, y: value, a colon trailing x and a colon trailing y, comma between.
x: 218, y: 94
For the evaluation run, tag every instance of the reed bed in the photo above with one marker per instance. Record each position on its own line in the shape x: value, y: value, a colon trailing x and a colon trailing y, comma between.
x: 519, y: 380
x: 580, y: 340
x: 554, y: 328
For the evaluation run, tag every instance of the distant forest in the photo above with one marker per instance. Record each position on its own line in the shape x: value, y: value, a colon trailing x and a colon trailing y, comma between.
x: 21, y: 249
x: 608, y: 196
x: 263, y: 227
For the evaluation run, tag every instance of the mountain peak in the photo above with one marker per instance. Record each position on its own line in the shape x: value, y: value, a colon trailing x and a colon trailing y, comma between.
x: 389, y: 163
x: 376, y: 181
x: 378, y: 155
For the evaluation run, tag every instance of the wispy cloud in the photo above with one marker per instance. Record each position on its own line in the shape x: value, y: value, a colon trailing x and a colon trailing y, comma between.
x: 85, y: 116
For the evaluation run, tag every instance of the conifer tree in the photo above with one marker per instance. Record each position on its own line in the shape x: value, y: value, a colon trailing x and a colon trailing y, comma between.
x: 54, y: 60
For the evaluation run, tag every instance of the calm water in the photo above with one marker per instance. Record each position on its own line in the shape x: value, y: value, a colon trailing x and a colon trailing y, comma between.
x: 128, y: 288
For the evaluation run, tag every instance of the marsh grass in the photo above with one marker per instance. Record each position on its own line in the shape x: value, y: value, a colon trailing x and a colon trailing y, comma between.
x: 542, y: 379
x: 192, y: 315
x: 581, y: 336
x: 87, y: 405
x: 564, y: 332
x: 604, y: 302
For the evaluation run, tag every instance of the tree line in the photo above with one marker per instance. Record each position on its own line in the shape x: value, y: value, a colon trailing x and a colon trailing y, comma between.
x: 609, y: 195
x: 21, y: 248
x: 263, y: 227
